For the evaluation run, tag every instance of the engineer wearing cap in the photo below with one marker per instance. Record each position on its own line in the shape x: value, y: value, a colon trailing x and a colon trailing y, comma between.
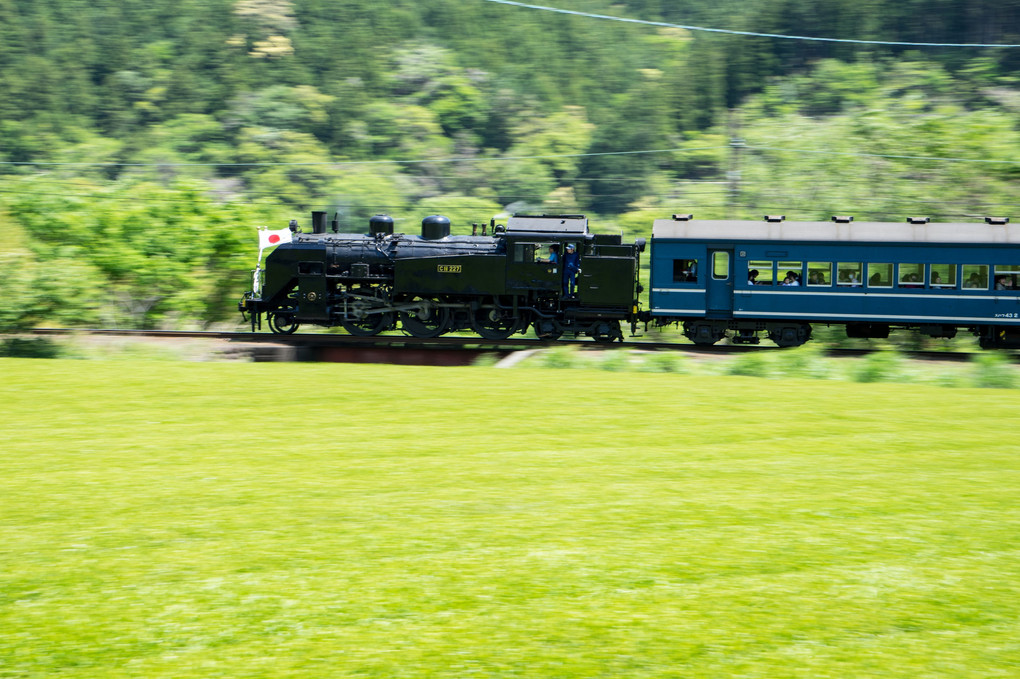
x: 572, y: 267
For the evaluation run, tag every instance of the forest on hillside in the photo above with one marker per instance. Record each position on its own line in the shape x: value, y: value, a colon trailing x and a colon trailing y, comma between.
x: 142, y: 141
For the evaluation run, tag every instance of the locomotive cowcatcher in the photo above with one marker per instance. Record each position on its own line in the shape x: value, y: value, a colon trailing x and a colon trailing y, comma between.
x: 495, y: 284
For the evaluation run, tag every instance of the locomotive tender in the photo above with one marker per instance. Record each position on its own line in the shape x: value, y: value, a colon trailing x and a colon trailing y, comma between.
x: 716, y: 279
x: 495, y: 285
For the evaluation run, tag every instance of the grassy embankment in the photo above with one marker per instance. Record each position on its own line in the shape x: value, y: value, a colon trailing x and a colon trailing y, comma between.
x: 194, y: 520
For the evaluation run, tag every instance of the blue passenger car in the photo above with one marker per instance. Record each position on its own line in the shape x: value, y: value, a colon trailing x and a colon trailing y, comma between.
x: 742, y: 279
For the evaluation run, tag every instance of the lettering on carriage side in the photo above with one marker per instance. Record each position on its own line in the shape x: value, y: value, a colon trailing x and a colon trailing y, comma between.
x: 448, y: 268
x: 1014, y: 315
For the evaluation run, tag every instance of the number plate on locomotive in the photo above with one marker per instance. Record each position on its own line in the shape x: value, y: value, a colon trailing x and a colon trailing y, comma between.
x: 448, y: 268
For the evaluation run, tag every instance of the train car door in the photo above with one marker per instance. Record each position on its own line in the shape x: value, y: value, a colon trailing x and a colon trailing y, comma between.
x: 719, y: 283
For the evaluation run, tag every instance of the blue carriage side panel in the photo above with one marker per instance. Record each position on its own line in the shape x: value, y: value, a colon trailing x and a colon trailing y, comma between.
x: 912, y: 274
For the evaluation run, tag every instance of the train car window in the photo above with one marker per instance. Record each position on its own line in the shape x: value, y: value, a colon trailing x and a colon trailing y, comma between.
x: 911, y: 275
x: 685, y: 271
x: 1006, y: 276
x: 975, y: 276
x: 942, y: 276
x: 720, y: 265
x: 525, y: 252
x: 766, y: 276
x: 819, y: 274
x: 880, y: 275
x: 792, y: 273
x: 310, y: 268
x: 848, y: 274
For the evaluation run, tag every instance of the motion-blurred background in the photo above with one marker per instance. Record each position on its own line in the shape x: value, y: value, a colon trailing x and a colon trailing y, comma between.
x: 141, y: 141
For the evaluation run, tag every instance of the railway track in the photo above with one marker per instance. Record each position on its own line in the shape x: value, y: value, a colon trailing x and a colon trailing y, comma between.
x: 454, y: 343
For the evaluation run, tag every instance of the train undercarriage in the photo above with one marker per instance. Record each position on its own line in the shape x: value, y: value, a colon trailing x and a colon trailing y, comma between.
x: 368, y: 310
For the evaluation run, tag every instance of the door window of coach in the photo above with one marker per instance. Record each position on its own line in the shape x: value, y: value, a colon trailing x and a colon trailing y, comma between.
x: 685, y: 271
x: 720, y: 265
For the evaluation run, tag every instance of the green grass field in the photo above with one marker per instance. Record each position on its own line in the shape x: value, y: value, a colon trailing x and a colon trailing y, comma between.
x: 163, y: 519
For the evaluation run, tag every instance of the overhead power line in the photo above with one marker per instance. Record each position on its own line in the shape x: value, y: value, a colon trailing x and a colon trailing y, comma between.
x: 746, y: 33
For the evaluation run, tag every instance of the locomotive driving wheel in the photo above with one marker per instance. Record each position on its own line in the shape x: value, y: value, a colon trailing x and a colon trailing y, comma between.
x: 494, y: 324
x: 282, y: 322
x: 425, y: 319
x: 368, y: 326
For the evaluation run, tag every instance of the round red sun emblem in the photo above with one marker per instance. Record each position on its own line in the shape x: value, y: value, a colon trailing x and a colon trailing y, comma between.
x: 274, y: 239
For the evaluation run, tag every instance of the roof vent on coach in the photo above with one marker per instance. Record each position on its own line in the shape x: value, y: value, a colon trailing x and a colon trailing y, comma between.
x: 842, y: 219
x: 682, y: 218
x: 918, y: 220
x: 435, y: 227
x: 774, y: 218
x: 997, y: 221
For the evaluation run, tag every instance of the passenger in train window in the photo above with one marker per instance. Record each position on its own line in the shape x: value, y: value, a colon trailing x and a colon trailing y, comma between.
x: 910, y: 280
x: 791, y: 280
x: 875, y: 281
x: 973, y: 282
x: 1003, y: 283
x: 936, y: 279
x: 815, y: 278
x: 752, y: 277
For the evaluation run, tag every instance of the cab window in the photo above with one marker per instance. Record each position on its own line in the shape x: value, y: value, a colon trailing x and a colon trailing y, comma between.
x: 527, y: 253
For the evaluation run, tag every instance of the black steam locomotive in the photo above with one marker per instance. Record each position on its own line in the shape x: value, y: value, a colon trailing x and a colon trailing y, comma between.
x: 546, y: 272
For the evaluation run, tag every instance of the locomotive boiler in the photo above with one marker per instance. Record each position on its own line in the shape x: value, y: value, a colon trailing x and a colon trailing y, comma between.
x: 495, y: 284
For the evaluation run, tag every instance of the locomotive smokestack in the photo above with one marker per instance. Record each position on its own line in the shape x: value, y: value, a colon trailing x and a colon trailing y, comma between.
x: 318, y: 222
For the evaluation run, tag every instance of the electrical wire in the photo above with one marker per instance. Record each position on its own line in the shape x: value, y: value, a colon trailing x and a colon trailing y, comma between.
x: 744, y: 33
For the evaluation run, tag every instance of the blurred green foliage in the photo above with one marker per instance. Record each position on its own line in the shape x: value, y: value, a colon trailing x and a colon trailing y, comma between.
x: 134, y: 120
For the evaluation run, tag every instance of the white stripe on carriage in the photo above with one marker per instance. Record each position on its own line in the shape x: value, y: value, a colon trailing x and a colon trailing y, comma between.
x: 836, y: 316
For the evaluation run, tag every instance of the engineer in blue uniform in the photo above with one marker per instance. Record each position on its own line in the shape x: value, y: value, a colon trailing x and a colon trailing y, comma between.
x: 572, y: 267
